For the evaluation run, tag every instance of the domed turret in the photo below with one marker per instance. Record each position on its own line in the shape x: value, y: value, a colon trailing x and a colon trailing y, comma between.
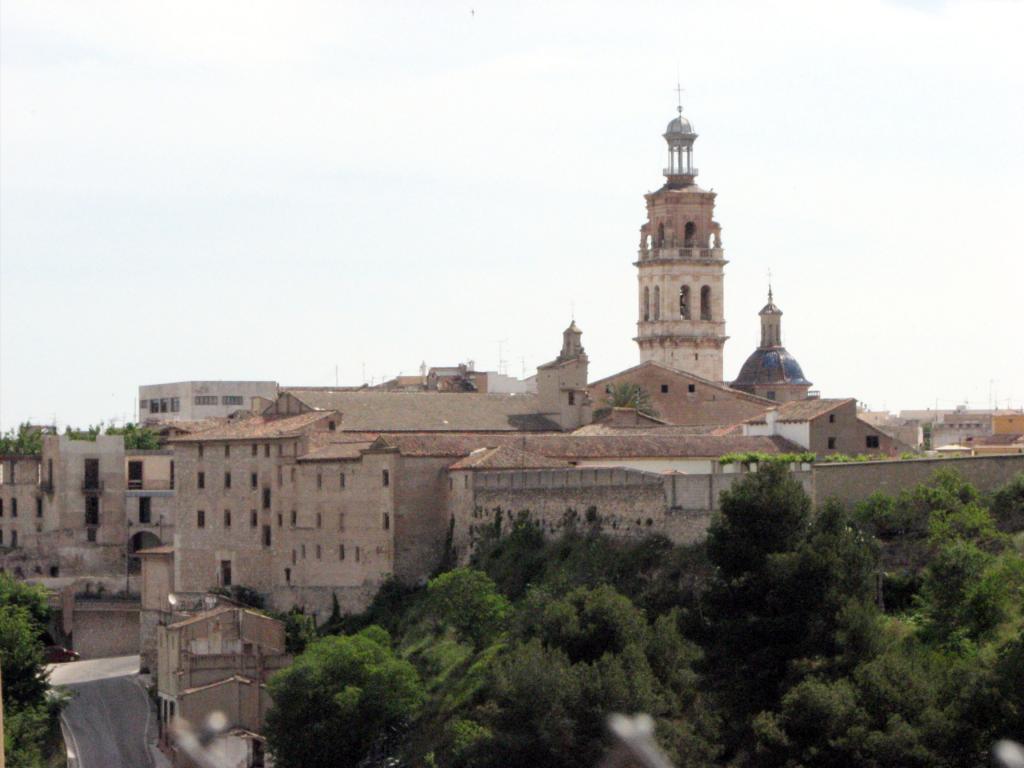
x: 771, y: 371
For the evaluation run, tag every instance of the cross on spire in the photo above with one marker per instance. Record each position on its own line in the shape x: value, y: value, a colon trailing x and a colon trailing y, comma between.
x: 679, y: 97
x: 769, y: 285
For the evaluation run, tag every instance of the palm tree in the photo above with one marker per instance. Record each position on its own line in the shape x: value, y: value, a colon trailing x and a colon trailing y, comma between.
x: 628, y: 395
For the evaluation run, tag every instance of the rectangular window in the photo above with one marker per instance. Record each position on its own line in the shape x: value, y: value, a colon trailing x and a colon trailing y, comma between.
x: 231, y: 400
x: 266, y: 498
x: 288, y: 575
x: 357, y: 554
x: 227, y: 451
x: 831, y: 418
x: 227, y: 518
x: 386, y: 477
x: 144, y: 405
x: 205, y: 400
x: 164, y: 404
x: 14, y: 507
x: 1, y: 537
x: 319, y: 481
x: 92, y: 510
x: 266, y: 535
x: 172, y: 475
x: 342, y: 476
x: 90, y: 534
x: 39, y: 503
x: 201, y: 520
x: 201, y: 479
x: 319, y: 520
x: 200, y: 450
x: 317, y: 551
x: 254, y: 480
x: 303, y: 551
x: 145, y: 510
x: 831, y: 443
x: 266, y: 451
x: 92, y: 475
x: 387, y: 521
x: 572, y: 398
x: 227, y: 480
x: 225, y: 573
x: 331, y: 425
x: 175, y: 405
x: 341, y: 551
x: 252, y: 518
x: 341, y: 521
x: 280, y: 520
x: 295, y: 556
x: 1, y: 507
x: 295, y: 518
x: 255, y: 449
x: 291, y: 475
x: 872, y: 441
x: 664, y: 389
x: 691, y: 388
x: 134, y: 475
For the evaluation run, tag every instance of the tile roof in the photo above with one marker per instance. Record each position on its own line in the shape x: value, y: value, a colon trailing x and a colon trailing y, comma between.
x: 1003, y: 439
x: 684, y: 375
x: 507, y: 457
x: 374, y: 410
x: 257, y: 428
x: 602, y: 428
x: 565, y: 446
x: 803, y: 410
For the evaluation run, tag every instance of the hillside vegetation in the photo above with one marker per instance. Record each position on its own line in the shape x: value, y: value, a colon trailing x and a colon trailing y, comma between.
x: 779, y: 642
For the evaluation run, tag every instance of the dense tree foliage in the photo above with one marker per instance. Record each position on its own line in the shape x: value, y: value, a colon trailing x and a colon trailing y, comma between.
x: 797, y: 638
x: 29, y: 717
x: 626, y: 395
x: 26, y: 440
x: 338, y: 699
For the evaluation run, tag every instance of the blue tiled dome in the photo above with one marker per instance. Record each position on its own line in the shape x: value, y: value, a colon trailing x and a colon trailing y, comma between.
x: 772, y: 365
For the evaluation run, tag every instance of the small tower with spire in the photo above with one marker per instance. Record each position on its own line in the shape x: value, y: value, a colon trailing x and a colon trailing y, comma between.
x: 772, y: 372
x: 681, y: 267
x: 562, y: 384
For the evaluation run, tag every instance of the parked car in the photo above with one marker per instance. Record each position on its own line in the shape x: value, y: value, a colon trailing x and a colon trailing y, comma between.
x: 57, y: 654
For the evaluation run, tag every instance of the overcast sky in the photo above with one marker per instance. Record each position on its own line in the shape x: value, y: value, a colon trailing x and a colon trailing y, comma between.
x: 197, y: 190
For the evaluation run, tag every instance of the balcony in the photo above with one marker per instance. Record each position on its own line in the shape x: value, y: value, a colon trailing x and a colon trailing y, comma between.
x: 679, y: 172
x: 150, y: 485
x: 689, y: 253
x: 92, y: 485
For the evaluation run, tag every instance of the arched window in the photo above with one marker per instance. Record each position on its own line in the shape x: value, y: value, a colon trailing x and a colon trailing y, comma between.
x: 689, y: 233
x: 661, y: 235
x: 647, y: 304
x: 657, y: 303
x: 705, y: 303
x: 684, y: 302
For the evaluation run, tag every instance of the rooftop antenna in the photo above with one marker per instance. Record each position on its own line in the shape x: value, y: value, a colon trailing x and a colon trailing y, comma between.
x: 502, y: 364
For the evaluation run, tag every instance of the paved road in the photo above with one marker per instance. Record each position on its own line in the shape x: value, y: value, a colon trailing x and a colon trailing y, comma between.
x: 109, y: 714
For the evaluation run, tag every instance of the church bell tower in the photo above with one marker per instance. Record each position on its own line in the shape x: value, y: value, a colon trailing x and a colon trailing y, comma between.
x: 681, y: 268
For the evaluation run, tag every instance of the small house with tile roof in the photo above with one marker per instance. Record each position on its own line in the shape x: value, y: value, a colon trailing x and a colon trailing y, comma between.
x: 824, y: 426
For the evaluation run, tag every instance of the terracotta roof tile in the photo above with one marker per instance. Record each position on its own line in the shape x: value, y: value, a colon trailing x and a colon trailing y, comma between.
x: 507, y: 457
x: 803, y: 410
x: 374, y: 410
x: 258, y: 427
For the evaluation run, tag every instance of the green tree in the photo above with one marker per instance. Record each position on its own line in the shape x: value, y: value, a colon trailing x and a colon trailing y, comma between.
x: 137, y: 437
x: 25, y: 441
x: 339, y: 699
x: 31, y: 597
x: 788, y: 594
x: 467, y: 600
x: 21, y: 657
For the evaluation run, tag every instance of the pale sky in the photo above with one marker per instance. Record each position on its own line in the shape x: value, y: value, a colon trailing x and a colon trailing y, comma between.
x: 267, y: 190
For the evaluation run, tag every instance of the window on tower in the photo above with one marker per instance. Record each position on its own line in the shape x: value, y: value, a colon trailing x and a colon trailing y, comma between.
x: 705, y: 303
x: 647, y: 304
x: 661, y: 235
x: 657, y: 302
x: 684, y: 302
x: 689, y: 234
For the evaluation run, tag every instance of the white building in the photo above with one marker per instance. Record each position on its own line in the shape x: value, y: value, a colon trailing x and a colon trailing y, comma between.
x: 195, y: 400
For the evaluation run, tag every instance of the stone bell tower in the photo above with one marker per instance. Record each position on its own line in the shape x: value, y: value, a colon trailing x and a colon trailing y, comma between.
x: 681, y: 268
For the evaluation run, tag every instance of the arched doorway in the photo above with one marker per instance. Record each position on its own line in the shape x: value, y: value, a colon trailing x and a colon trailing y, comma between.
x: 140, y: 540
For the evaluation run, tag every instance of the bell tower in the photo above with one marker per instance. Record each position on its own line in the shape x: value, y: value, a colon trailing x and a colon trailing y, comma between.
x: 681, y: 268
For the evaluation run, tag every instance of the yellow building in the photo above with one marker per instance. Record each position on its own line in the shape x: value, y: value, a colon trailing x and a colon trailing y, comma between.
x: 1011, y: 423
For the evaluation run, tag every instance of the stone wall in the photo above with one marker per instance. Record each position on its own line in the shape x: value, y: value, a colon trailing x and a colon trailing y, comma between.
x: 853, y: 482
x: 103, y: 628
